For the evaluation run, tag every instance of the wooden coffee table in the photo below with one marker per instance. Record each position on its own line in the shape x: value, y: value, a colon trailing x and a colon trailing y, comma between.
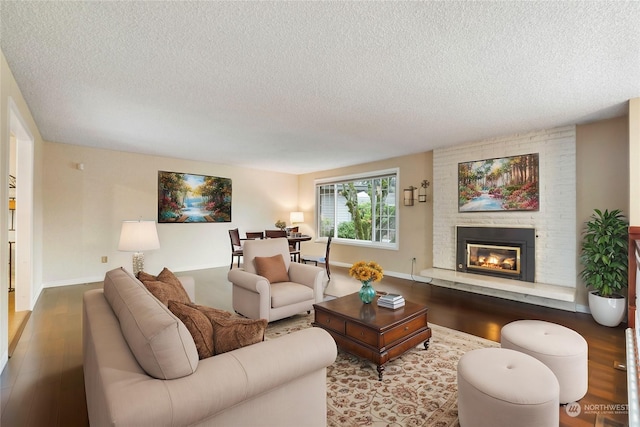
x: 376, y: 333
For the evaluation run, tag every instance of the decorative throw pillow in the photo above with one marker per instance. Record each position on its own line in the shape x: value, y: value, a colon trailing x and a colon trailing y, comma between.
x: 167, y: 276
x: 166, y: 286
x: 166, y: 292
x: 235, y: 332
x: 146, y: 277
x: 272, y: 268
x: 198, y: 325
x: 210, y: 311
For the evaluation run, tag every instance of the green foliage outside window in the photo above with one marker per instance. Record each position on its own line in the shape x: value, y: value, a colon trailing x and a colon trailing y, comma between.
x: 371, y: 218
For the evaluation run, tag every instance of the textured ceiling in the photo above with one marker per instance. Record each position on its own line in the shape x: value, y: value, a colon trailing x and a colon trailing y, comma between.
x: 305, y: 86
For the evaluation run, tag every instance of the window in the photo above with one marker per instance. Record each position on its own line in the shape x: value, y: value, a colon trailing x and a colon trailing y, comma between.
x: 359, y: 209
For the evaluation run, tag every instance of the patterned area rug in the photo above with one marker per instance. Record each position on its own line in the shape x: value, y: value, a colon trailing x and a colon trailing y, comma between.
x: 418, y: 388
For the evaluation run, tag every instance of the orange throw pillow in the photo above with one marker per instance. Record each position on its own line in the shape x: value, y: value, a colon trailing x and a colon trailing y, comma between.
x: 272, y: 268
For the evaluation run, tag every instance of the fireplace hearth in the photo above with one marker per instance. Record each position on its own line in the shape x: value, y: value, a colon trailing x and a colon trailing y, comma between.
x: 497, y: 251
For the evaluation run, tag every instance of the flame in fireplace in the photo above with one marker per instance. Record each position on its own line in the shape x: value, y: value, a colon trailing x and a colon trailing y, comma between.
x: 493, y: 258
x: 496, y: 251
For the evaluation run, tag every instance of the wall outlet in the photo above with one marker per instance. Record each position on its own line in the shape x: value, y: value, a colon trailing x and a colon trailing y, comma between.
x: 104, y: 259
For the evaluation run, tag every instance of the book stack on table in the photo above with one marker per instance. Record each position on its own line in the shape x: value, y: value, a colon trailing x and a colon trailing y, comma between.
x: 392, y: 301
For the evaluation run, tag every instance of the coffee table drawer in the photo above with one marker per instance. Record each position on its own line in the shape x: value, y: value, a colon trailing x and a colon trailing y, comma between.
x: 402, y: 331
x: 362, y: 334
x: 330, y: 322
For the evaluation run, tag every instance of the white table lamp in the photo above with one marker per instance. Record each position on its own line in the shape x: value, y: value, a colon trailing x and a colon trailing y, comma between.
x: 138, y: 236
x: 296, y: 217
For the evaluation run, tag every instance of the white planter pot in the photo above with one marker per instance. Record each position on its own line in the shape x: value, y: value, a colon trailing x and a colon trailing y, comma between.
x: 607, y: 311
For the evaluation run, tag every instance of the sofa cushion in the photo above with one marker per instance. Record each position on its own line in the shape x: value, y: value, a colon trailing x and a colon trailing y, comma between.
x: 272, y: 268
x: 288, y: 293
x: 199, y: 327
x: 230, y: 333
x: 160, y: 342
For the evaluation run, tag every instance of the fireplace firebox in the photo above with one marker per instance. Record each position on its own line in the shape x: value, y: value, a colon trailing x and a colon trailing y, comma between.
x: 497, y: 251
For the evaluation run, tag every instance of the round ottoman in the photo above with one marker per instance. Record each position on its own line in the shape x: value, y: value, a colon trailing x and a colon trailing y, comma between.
x: 505, y: 388
x: 563, y: 350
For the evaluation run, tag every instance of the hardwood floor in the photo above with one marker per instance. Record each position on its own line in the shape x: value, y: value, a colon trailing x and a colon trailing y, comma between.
x: 42, y: 384
x: 17, y: 322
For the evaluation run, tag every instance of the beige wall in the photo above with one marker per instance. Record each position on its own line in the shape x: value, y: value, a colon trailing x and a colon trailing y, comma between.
x: 602, y: 181
x: 416, y: 222
x: 602, y: 171
x: 634, y: 161
x: 85, y: 209
x: 12, y: 103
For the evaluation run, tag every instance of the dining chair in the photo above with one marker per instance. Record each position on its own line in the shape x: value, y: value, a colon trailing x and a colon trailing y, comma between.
x: 320, y: 259
x: 251, y: 235
x: 269, y: 234
x: 236, y: 246
x: 293, y: 249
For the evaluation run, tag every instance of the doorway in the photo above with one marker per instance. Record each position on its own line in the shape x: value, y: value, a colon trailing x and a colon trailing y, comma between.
x: 21, y: 160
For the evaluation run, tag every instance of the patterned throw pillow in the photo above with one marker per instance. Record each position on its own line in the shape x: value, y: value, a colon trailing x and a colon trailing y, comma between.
x: 210, y: 312
x: 166, y: 287
x: 169, y: 278
x: 146, y: 277
x: 198, y: 326
x: 165, y: 292
x: 230, y: 333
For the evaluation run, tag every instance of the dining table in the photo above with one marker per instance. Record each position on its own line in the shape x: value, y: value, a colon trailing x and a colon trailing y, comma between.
x: 294, y: 241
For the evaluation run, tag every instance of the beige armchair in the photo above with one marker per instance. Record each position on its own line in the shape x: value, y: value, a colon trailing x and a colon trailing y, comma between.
x: 256, y: 298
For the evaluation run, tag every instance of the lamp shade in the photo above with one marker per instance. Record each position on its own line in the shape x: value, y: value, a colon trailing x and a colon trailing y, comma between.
x: 296, y: 217
x: 138, y: 236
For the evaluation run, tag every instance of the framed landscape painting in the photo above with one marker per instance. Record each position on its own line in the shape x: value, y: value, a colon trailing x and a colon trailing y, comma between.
x: 184, y: 197
x: 502, y: 184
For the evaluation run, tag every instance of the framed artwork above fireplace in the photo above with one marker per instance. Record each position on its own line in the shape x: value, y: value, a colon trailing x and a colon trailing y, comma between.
x: 500, y: 184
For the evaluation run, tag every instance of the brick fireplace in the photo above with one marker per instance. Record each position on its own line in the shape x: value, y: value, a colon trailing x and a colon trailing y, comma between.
x: 554, y: 253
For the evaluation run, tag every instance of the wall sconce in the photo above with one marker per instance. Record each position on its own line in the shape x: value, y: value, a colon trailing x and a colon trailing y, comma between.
x: 12, y: 208
x: 422, y: 194
x: 408, y: 195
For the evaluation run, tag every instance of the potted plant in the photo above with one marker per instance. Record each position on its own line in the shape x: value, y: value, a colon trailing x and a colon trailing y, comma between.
x: 605, y: 259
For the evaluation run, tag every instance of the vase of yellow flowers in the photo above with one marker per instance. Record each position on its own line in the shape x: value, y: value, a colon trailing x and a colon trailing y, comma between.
x: 366, y: 272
